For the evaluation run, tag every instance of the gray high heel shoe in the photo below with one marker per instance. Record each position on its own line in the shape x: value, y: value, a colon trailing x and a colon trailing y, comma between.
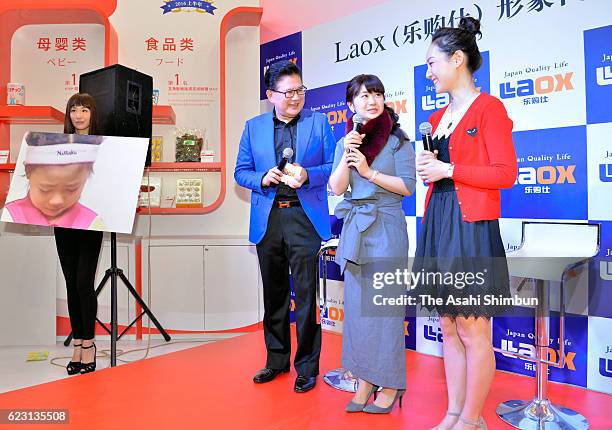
x: 373, y: 409
x: 358, y: 407
x: 480, y: 423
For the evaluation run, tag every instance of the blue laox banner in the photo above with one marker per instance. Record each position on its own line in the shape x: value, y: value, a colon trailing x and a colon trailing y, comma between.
x: 200, y: 5
x: 552, y: 175
x: 516, y: 334
x: 285, y: 48
x: 598, y: 74
x: 426, y: 101
x: 600, y: 275
x: 330, y: 100
x: 600, y: 355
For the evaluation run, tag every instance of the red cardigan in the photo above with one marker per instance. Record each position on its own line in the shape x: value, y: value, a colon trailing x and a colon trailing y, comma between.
x: 484, y: 158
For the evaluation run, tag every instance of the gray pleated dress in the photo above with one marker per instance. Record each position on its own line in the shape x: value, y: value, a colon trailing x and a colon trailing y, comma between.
x: 374, y: 240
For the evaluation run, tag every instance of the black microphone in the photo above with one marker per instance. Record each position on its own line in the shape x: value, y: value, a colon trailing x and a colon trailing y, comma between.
x: 425, y: 130
x: 357, y: 122
x: 287, y: 154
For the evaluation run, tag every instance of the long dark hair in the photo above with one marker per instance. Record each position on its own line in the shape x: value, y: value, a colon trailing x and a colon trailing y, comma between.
x: 373, y: 84
x: 463, y: 38
x: 86, y: 101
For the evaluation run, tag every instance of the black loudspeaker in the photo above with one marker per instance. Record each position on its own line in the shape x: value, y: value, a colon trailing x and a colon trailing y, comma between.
x: 124, y: 98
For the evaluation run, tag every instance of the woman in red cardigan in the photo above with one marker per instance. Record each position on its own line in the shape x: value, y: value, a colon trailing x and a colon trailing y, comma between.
x: 460, y: 241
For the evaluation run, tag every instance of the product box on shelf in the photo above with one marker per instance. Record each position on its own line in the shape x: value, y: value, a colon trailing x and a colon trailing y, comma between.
x: 150, y: 192
x: 188, y: 145
x: 15, y: 94
x: 157, y: 149
x: 189, y: 193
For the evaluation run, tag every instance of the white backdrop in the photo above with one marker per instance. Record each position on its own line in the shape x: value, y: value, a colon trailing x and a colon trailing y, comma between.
x: 542, y: 60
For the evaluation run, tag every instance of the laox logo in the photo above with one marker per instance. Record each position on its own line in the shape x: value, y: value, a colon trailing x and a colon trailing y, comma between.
x: 336, y: 116
x: 542, y: 85
x: 604, y: 75
x: 399, y: 106
x: 605, y: 172
x: 529, y: 350
x: 437, y: 101
x: 333, y: 313
x: 429, y: 333
x: 546, y: 175
x: 605, y: 367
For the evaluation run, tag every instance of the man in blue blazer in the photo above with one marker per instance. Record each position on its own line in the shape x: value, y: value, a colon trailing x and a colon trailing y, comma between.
x: 288, y: 220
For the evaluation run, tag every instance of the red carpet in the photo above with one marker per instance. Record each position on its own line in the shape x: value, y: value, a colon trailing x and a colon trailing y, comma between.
x: 210, y: 387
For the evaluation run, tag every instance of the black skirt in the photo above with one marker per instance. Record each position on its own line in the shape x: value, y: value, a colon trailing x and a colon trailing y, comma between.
x: 462, y: 265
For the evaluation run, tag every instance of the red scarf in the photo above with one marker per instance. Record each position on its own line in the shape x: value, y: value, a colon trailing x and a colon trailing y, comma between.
x: 376, y: 132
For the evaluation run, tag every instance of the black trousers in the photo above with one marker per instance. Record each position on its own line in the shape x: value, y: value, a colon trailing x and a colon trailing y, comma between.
x: 78, y: 252
x: 291, y: 241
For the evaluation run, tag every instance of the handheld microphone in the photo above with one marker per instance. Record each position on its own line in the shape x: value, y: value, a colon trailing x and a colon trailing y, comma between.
x: 357, y: 122
x: 425, y: 130
x: 287, y: 154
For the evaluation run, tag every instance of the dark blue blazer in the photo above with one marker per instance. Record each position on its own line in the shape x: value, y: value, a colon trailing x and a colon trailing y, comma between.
x: 314, y: 151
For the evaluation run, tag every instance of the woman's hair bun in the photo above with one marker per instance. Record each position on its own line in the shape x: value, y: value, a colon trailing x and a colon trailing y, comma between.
x: 471, y: 25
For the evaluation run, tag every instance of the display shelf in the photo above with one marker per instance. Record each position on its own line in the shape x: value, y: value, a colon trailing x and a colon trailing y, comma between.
x: 237, y: 17
x: 184, y: 167
x: 16, y: 114
x: 172, y: 211
x: 163, y: 115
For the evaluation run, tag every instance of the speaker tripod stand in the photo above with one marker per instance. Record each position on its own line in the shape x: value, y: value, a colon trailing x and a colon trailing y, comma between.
x: 113, y: 273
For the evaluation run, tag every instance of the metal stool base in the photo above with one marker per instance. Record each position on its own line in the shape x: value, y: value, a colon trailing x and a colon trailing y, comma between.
x: 540, y: 415
x: 341, y: 379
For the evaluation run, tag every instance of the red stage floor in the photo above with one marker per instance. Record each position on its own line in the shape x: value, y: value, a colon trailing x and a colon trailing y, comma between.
x: 210, y: 387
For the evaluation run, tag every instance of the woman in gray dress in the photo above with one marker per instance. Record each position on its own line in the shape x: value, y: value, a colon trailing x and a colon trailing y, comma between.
x: 378, y: 164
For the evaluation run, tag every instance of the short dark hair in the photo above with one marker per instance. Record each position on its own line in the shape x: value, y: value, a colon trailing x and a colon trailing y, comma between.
x: 87, y: 101
x: 450, y: 40
x: 278, y: 70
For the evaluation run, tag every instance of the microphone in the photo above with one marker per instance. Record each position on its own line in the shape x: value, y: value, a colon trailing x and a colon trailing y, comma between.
x: 287, y: 154
x: 357, y: 122
x: 425, y: 130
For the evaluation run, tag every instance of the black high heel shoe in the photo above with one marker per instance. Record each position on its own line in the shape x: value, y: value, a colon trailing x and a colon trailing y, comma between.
x: 74, y: 367
x: 89, y: 367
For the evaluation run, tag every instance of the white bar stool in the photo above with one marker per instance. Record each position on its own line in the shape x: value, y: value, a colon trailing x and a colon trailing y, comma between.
x: 547, y: 253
